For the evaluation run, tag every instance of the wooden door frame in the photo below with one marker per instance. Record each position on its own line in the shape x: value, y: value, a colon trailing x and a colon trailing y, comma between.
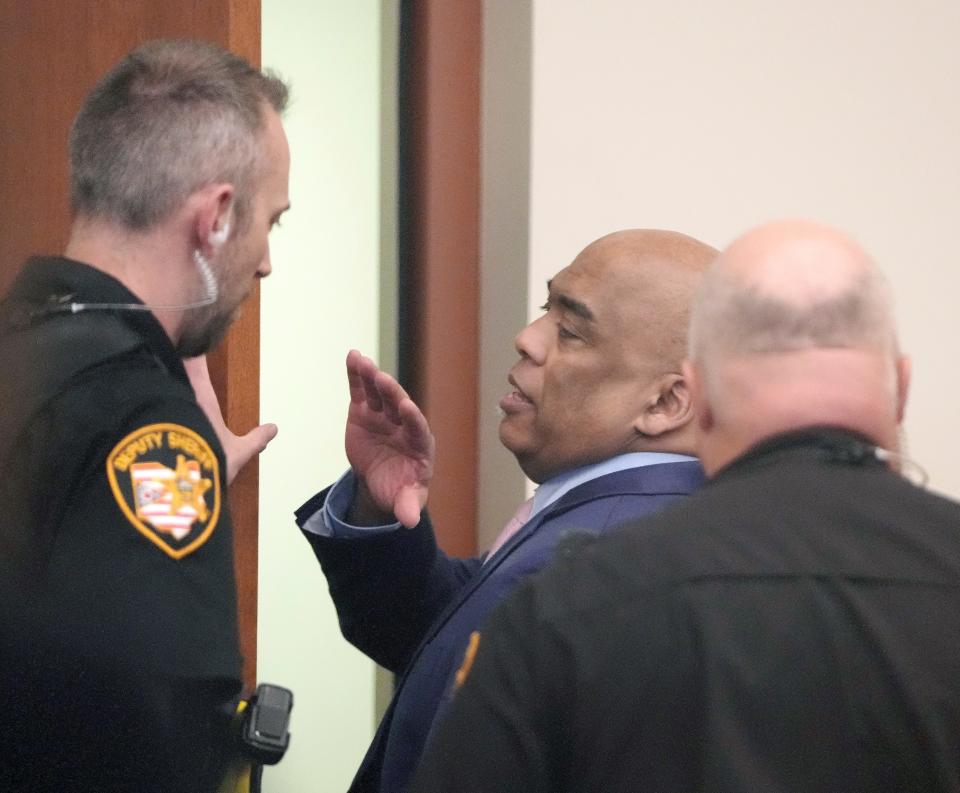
x: 439, y: 246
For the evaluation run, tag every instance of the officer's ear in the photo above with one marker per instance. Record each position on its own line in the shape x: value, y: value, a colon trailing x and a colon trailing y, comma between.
x: 903, y: 385
x: 213, y: 215
x: 667, y: 408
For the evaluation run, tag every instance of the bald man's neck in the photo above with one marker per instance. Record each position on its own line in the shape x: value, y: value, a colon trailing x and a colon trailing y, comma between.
x: 757, y: 397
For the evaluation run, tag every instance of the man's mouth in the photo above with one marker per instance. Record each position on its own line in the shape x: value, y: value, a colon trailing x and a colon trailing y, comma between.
x: 515, y: 400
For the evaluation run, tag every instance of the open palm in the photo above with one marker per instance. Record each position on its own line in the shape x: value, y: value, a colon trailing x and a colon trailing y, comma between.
x: 388, y: 441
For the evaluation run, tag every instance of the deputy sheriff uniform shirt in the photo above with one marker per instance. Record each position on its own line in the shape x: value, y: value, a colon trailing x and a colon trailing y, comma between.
x: 112, y: 488
x: 792, y: 627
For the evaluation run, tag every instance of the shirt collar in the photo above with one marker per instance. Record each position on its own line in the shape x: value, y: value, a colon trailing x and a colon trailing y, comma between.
x: 833, y: 443
x: 47, y: 280
x: 555, y: 487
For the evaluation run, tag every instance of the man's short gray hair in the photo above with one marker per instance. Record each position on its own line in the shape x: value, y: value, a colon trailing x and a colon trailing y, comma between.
x: 730, y: 317
x: 171, y: 117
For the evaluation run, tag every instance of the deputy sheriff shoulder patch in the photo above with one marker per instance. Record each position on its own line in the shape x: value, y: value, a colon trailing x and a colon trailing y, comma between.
x: 166, y: 480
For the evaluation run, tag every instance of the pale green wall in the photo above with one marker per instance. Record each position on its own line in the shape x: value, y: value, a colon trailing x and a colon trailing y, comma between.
x: 321, y: 300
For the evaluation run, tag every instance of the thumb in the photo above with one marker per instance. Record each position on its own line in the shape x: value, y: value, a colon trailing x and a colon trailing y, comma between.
x: 240, y: 450
x: 259, y: 438
x: 407, y: 505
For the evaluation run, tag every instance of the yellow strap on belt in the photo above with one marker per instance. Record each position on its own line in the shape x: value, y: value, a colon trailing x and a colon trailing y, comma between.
x: 237, y: 777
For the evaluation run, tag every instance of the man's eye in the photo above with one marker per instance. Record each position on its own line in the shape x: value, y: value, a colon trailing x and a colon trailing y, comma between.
x: 563, y: 333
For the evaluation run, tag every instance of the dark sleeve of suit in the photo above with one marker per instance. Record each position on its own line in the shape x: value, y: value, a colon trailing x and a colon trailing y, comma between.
x: 513, y: 704
x: 387, y: 588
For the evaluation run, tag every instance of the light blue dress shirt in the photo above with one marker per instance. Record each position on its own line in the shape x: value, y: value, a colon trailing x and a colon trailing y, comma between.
x: 328, y: 521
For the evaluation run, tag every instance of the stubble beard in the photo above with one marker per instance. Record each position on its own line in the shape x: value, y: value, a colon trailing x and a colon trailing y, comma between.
x: 205, y: 330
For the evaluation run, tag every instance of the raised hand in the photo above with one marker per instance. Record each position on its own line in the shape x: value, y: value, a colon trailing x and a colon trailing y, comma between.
x: 240, y: 449
x: 389, y: 446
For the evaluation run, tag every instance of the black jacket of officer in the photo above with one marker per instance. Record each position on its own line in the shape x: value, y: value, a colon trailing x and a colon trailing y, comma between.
x: 117, y: 547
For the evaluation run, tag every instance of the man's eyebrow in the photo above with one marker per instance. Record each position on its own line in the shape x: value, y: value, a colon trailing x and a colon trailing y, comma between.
x: 575, y: 306
x: 578, y: 308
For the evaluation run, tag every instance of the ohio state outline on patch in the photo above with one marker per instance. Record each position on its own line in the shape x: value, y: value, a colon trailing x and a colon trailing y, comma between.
x: 166, y: 481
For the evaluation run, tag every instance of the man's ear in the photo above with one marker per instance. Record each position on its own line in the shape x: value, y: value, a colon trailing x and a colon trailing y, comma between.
x: 212, y: 216
x: 903, y: 386
x: 668, y: 408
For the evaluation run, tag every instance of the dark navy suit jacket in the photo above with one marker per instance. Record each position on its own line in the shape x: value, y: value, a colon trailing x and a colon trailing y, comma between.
x: 412, y: 608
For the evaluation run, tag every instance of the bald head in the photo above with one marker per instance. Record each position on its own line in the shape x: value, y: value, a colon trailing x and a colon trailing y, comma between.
x: 792, y: 285
x: 648, y: 279
x: 653, y: 244
x: 599, y: 372
x: 793, y: 326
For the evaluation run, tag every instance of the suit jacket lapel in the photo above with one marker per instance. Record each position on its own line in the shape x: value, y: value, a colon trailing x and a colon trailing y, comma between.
x: 663, y: 478
x: 681, y: 478
x: 482, y: 575
x: 659, y: 479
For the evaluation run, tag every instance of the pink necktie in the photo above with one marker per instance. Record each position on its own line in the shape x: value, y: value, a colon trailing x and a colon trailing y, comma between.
x: 513, y: 526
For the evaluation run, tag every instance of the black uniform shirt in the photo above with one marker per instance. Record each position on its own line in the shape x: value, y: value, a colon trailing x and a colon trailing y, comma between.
x: 793, y: 627
x: 112, y: 481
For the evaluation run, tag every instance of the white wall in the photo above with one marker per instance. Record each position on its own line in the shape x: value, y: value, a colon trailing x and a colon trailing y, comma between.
x: 709, y: 118
x: 504, y: 246
x: 321, y: 299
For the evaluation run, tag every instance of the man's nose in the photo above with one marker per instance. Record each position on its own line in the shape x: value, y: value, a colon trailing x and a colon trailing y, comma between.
x: 531, y: 341
x: 265, y: 267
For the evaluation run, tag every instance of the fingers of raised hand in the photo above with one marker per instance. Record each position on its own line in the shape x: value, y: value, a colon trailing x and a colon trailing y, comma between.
x: 391, y: 395
x: 361, y: 376
x: 368, y: 379
x: 357, y: 394
x: 381, y: 393
x: 416, y: 427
